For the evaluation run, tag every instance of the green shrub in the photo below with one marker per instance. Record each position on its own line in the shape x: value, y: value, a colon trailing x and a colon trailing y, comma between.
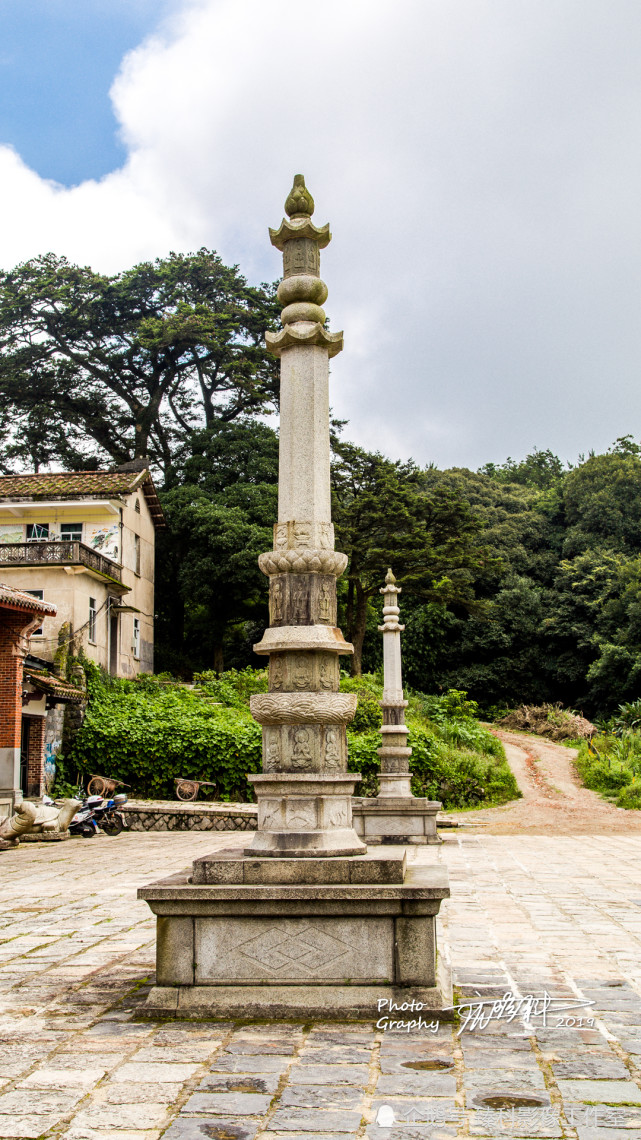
x: 628, y: 717
x: 233, y: 688
x: 630, y: 796
x: 147, y: 735
x: 150, y: 731
x: 611, y: 765
x: 450, y: 705
x: 367, y: 682
x: 440, y: 771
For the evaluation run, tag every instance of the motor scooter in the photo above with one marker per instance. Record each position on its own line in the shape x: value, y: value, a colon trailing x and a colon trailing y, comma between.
x: 84, y: 821
x: 109, y: 815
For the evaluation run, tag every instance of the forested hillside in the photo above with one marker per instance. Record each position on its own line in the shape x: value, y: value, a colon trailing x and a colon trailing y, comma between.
x: 521, y: 581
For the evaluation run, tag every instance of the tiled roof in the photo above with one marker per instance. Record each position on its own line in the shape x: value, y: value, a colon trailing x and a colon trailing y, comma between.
x: 65, y: 484
x: 71, y: 483
x: 53, y: 686
x: 18, y: 599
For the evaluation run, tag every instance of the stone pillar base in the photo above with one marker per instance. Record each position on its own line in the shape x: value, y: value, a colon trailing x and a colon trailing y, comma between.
x: 238, y: 947
x: 302, y: 1003
x: 391, y: 819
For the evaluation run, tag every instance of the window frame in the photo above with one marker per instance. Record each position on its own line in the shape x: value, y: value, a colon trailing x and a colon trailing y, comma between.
x: 135, y: 645
x: 40, y: 537
x: 91, y: 624
x: 68, y: 538
x: 40, y: 595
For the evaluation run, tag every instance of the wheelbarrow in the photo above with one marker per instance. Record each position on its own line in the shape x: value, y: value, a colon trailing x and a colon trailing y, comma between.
x: 189, y: 789
x: 104, y: 786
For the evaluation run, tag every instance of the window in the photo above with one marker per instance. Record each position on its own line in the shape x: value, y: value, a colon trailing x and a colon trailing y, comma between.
x: 37, y: 532
x: 71, y: 532
x: 92, y: 619
x: 137, y: 506
x: 39, y: 594
x: 136, y: 642
x: 137, y: 553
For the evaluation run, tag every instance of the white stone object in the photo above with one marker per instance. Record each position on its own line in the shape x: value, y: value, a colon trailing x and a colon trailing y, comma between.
x: 395, y: 815
x: 304, y: 922
x: 392, y: 781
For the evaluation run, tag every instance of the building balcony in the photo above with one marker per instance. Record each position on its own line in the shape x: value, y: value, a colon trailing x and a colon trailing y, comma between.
x: 68, y: 553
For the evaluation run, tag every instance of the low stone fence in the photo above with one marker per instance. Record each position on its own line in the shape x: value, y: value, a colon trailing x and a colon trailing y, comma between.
x: 171, y: 815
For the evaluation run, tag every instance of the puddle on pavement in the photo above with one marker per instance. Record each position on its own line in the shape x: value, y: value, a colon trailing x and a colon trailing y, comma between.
x: 510, y: 1100
x: 430, y: 1065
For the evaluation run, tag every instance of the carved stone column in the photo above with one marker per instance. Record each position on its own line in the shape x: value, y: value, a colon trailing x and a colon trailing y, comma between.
x: 394, y: 779
x: 395, y: 815
x: 304, y: 792
x: 305, y: 922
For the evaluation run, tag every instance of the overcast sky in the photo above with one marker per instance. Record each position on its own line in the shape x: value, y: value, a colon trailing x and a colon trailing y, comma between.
x: 479, y: 162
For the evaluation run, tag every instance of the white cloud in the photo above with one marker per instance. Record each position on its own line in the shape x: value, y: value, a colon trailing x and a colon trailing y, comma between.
x: 480, y: 165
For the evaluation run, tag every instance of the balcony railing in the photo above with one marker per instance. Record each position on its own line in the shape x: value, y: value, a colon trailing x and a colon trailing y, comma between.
x: 64, y: 553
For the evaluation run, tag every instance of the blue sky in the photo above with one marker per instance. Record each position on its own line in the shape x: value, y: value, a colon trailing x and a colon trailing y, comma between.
x: 58, y: 59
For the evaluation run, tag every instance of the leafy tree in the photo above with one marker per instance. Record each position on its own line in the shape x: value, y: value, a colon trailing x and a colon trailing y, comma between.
x: 497, y: 654
x: 220, y: 520
x: 386, y: 516
x: 602, y: 502
x: 541, y: 469
x: 593, y: 629
x: 126, y: 366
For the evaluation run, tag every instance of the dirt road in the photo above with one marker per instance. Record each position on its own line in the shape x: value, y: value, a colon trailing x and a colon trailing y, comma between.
x: 554, y: 800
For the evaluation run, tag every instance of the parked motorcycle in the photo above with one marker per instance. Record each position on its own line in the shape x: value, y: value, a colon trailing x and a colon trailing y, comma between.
x: 97, y: 814
x: 109, y: 815
x: 84, y: 822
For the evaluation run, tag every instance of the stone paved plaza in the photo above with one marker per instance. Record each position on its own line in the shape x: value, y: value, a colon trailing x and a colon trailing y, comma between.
x: 527, y: 914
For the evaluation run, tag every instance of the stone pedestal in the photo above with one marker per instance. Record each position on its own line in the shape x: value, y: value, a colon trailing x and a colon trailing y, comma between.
x: 306, y: 922
x: 294, y: 938
x: 395, y: 819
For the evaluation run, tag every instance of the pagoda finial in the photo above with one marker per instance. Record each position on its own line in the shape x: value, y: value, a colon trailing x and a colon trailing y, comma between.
x: 301, y: 292
x: 389, y: 577
x: 299, y: 202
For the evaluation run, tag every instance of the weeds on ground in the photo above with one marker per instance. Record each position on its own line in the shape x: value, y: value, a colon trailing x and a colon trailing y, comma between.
x: 611, y: 765
x: 553, y: 721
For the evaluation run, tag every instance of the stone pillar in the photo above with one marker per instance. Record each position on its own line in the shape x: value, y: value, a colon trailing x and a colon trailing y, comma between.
x: 304, y: 792
x: 306, y: 922
x: 394, y: 779
x: 395, y: 815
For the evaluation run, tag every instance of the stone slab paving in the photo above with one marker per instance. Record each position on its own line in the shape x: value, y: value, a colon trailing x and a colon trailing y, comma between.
x: 528, y: 914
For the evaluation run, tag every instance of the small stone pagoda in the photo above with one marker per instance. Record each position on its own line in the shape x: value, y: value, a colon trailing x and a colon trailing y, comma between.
x: 304, y: 922
x: 394, y: 815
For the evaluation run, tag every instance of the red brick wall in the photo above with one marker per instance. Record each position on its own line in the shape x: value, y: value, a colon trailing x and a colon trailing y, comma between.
x: 12, y: 649
x: 36, y: 756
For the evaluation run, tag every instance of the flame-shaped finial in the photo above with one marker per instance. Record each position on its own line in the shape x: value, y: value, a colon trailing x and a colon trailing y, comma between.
x: 389, y: 577
x: 299, y: 201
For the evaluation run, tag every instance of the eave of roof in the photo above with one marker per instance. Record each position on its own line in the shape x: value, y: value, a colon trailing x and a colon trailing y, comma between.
x: 19, y: 600
x: 62, y: 484
x: 53, y: 686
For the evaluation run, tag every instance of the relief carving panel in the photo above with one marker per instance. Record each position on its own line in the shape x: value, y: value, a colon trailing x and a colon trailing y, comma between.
x: 272, y: 752
x: 303, y: 708
x: 300, y: 815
